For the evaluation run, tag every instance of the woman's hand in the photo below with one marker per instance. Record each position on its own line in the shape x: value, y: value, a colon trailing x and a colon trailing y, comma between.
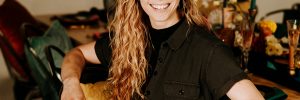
x: 72, y: 90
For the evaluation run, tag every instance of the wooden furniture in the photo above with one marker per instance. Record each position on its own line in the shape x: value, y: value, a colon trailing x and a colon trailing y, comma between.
x: 292, y: 94
x: 81, y: 35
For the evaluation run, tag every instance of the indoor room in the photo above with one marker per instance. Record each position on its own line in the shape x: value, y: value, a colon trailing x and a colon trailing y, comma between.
x: 149, y: 49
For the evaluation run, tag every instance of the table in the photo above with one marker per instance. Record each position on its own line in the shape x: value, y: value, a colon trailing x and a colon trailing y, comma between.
x: 83, y: 36
x: 292, y: 94
x: 79, y: 35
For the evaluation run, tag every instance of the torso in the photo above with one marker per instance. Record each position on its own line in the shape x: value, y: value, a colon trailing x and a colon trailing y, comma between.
x: 188, y: 67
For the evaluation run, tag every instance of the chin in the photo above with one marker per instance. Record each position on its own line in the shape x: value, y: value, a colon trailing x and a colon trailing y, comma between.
x: 160, y: 18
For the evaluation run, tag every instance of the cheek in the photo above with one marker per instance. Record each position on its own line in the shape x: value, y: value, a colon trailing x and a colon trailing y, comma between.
x: 146, y: 8
x: 144, y: 4
x: 175, y: 5
x: 178, y: 2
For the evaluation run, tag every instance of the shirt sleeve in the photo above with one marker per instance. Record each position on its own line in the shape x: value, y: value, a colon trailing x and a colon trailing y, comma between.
x: 223, y: 71
x: 103, y: 50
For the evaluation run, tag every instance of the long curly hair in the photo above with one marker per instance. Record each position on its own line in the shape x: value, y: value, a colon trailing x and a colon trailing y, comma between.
x: 129, y: 40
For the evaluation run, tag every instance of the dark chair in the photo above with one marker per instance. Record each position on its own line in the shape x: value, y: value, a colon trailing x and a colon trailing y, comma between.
x: 293, y: 13
x: 47, y: 74
x: 24, y: 85
x: 48, y: 84
x: 91, y: 73
x: 12, y: 15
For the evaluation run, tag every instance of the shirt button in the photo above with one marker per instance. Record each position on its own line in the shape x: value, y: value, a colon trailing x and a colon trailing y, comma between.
x: 181, y: 92
x: 160, y: 60
x: 147, y: 92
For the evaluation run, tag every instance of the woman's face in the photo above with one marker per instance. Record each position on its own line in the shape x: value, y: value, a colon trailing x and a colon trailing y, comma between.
x: 162, y: 13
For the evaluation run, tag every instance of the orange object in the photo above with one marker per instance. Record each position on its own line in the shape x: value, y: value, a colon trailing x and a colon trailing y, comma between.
x: 266, y: 31
x: 267, y: 27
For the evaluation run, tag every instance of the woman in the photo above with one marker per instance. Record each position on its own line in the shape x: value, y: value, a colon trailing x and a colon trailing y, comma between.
x: 160, y: 49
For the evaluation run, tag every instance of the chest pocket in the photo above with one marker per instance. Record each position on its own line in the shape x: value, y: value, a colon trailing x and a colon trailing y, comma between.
x: 181, y: 91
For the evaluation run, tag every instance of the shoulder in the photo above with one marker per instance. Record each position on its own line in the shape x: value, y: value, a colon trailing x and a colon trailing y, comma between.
x: 204, y: 36
x: 104, y: 38
x: 103, y: 49
x: 205, y: 43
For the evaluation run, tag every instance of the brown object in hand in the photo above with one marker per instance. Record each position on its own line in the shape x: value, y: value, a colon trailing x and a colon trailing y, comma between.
x: 96, y: 91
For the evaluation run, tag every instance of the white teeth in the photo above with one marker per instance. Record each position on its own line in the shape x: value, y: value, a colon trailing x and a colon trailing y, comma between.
x: 160, y: 6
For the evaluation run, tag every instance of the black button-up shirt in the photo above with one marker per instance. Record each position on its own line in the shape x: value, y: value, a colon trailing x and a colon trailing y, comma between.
x: 193, y: 64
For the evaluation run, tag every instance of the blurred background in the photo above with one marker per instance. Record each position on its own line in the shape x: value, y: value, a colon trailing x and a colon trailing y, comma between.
x: 60, y: 7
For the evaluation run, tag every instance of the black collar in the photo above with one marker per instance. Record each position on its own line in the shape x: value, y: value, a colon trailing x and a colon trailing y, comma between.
x: 178, y: 37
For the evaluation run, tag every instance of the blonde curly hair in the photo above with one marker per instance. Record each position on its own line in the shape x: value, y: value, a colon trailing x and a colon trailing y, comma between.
x: 129, y: 40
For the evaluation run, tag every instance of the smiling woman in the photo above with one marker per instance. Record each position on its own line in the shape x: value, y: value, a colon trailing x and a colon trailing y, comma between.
x: 160, y: 50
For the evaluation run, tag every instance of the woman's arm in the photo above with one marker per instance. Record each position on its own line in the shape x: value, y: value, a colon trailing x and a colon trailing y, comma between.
x: 71, y: 69
x: 244, y: 90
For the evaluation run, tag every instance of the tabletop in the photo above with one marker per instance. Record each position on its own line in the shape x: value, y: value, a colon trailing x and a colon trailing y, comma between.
x: 81, y: 35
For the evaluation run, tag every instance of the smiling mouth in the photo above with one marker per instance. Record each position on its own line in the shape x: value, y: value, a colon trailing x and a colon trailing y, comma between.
x: 160, y: 6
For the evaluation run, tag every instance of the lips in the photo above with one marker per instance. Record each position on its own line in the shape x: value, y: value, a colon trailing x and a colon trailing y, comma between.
x: 160, y: 6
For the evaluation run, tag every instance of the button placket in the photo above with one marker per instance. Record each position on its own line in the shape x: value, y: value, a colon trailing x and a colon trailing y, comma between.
x: 162, y: 53
x: 181, y: 92
x: 160, y: 59
x: 159, y: 66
